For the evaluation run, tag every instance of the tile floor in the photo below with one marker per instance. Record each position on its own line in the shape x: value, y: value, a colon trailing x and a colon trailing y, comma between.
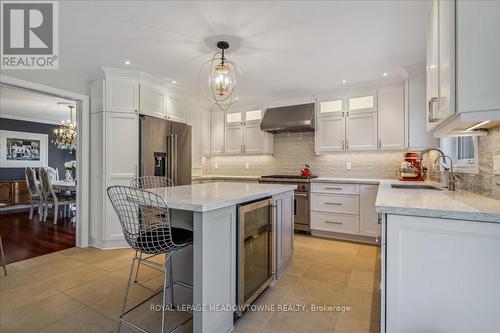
x: 81, y: 290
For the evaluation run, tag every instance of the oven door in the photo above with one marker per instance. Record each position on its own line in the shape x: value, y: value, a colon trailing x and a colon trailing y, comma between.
x: 301, y: 211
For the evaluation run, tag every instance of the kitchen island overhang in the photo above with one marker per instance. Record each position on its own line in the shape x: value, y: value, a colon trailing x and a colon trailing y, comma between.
x: 210, y: 265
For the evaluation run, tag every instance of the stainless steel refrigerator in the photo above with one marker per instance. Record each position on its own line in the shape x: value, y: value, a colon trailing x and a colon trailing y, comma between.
x: 165, y: 149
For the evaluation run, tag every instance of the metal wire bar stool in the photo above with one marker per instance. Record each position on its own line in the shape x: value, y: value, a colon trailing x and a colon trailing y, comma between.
x: 148, y: 182
x: 146, y: 226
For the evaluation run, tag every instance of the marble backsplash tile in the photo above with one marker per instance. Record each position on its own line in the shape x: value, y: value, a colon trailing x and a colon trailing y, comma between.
x: 292, y: 151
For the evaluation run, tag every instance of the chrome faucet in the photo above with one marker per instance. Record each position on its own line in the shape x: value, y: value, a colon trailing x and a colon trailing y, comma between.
x: 452, y: 178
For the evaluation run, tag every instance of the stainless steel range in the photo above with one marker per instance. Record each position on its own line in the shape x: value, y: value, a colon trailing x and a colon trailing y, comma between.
x: 301, y: 198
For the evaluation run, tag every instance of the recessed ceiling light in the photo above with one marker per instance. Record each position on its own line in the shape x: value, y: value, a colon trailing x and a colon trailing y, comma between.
x: 127, y: 62
x: 344, y: 81
x: 174, y: 82
x: 385, y: 74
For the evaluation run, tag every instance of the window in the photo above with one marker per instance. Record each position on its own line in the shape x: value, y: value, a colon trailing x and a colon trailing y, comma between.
x: 465, y: 153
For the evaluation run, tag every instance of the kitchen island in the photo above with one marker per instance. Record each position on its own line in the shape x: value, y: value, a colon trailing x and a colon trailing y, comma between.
x: 440, y: 265
x: 210, y: 265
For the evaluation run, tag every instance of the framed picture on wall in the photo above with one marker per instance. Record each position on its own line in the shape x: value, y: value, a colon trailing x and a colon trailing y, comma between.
x: 23, y: 149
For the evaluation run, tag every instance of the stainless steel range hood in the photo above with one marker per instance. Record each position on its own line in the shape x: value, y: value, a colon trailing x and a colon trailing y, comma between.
x: 289, y: 119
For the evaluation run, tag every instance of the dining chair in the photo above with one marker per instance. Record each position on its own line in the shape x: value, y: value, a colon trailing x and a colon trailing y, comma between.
x: 144, y: 183
x: 50, y: 196
x: 137, y: 210
x: 54, y: 173
x: 2, y: 257
x: 34, y: 192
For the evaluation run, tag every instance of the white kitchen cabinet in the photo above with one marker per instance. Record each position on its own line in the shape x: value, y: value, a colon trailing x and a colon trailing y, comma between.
x: 362, y: 102
x: 463, y: 37
x: 178, y: 109
x: 234, y: 138
x: 244, y: 136
x: 152, y: 101
x: 477, y: 56
x: 330, y: 133
x: 417, y: 134
x: 205, y: 130
x: 446, y: 68
x: 391, y: 118
x: 121, y: 162
x: 368, y: 217
x: 361, y: 131
x: 284, y: 231
x: 255, y: 140
x: 433, y: 264
x: 332, y: 106
x: 217, y: 140
x: 122, y: 95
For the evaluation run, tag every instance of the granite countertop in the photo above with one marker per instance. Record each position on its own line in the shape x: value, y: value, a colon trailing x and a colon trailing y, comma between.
x: 206, y: 197
x: 346, y: 180
x: 461, y: 205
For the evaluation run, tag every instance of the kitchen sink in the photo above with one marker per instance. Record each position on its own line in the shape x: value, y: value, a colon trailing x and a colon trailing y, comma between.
x: 415, y: 186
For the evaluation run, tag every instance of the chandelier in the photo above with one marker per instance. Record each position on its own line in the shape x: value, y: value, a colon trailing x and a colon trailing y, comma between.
x: 219, y: 79
x: 65, y: 136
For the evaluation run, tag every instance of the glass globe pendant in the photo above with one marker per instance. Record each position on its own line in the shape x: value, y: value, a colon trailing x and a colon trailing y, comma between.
x: 223, y: 75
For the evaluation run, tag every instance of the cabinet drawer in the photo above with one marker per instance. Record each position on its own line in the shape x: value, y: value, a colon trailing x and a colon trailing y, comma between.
x: 348, y: 224
x: 345, y: 204
x: 335, y: 188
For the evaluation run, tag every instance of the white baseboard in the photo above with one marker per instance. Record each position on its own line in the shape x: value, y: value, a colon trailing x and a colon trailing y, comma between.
x: 109, y: 245
x: 346, y: 237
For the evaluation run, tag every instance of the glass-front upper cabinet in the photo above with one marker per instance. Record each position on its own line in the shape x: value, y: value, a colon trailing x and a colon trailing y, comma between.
x: 331, y: 107
x: 362, y: 102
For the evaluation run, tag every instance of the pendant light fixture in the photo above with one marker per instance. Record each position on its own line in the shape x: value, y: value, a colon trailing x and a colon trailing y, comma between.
x: 64, y: 137
x: 219, y: 78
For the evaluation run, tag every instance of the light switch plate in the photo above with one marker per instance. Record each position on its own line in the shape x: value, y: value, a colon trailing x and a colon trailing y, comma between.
x: 496, y: 164
x: 216, y: 165
x: 247, y: 165
x: 348, y: 165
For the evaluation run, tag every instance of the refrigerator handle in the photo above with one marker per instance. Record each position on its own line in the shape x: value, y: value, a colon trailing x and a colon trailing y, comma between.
x: 174, y: 158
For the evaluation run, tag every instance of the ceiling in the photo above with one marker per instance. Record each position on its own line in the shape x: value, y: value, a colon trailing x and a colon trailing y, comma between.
x: 26, y: 105
x: 285, y: 48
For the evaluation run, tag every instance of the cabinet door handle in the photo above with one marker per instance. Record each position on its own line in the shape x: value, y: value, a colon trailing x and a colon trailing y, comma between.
x: 333, y: 222
x: 346, y: 144
x: 432, y: 101
x: 379, y: 143
x: 333, y: 188
x: 343, y: 144
x: 333, y: 203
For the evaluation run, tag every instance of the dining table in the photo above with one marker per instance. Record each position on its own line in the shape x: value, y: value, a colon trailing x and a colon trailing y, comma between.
x: 64, y: 185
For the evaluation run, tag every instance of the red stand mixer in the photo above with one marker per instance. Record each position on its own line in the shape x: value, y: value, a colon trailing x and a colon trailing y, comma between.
x: 411, y: 169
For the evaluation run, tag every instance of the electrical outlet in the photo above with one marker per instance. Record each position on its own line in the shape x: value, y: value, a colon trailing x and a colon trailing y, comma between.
x: 216, y: 165
x: 348, y: 165
x: 247, y: 165
x: 496, y: 165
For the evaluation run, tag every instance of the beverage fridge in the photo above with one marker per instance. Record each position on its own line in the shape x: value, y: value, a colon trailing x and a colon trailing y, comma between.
x: 165, y: 149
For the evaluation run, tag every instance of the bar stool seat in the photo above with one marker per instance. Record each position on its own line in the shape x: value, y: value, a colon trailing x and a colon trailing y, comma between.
x: 157, y: 238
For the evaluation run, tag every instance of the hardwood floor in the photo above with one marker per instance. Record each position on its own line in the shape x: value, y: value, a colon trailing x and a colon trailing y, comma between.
x: 23, y: 239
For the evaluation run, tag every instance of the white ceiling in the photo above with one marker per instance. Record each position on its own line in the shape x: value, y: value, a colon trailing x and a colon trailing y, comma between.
x: 286, y: 48
x: 30, y: 106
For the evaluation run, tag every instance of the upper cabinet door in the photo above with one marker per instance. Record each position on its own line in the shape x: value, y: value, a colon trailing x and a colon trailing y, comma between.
x: 234, y: 138
x: 196, y: 137
x: 217, y: 133
x: 331, y: 107
x: 330, y: 134
x: 432, y: 65
x: 234, y: 118
x: 122, y: 95
x: 178, y: 109
x: 254, y: 116
x: 446, y: 87
x: 391, y: 118
x: 362, y: 102
x: 255, y: 141
x: 478, y: 54
x: 361, y: 131
x: 152, y: 101
x: 205, y: 129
